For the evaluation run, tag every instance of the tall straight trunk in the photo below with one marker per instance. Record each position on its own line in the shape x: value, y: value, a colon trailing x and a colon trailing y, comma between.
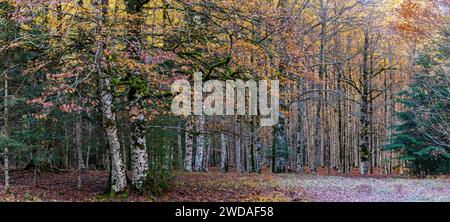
x: 237, y: 134
x: 301, y: 134
x: 78, y: 145
x: 223, y: 152
x: 179, y: 148
x: 327, y: 131
x: 245, y: 153
x: 123, y: 143
x: 6, y: 133
x: 207, y: 154
x: 340, y: 90
x: 364, y: 115
x: 280, y: 142
x: 200, y: 142
x: 88, y: 144
x: 188, y: 145
x: 340, y: 127
x: 252, y: 146
x: 390, y: 107
x: 317, y: 122
x: 66, y: 160
x: 280, y: 145
x: 257, y: 146
x: 118, y: 177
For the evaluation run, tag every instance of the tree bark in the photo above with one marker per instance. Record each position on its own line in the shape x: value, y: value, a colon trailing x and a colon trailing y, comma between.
x: 78, y: 145
x: 223, y: 152
x: 189, y: 144
x: 6, y: 133
x: 139, y: 154
x: 364, y: 115
x: 301, y: 134
x: 118, y: 177
x: 179, y: 148
x: 200, y: 142
x: 238, y: 147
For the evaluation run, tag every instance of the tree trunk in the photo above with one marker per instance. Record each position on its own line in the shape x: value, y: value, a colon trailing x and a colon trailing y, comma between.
x: 257, y: 145
x: 78, y: 145
x: 6, y: 133
x: 179, y: 148
x: 89, y: 145
x: 139, y: 154
x: 238, y: 147
x: 223, y: 152
x: 301, y: 134
x: 280, y: 145
x: 189, y: 144
x: 364, y: 115
x: 118, y: 177
x: 200, y: 143
x: 207, y: 154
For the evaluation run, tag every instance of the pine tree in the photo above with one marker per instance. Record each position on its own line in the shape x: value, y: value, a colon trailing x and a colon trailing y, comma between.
x: 422, y: 137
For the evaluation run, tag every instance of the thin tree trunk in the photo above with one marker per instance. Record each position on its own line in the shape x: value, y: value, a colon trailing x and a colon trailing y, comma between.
x: 6, y: 133
x: 78, y: 144
x: 223, y: 152
x: 301, y: 135
x: 200, y: 143
x: 258, y: 147
x: 67, y: 147
x: 189, y: 144
x: 238, y: 148
x: 318, y: 131
x: 364, y: 130
x: 179, y: 148
x: 89, y: 145
x: 207, y: 154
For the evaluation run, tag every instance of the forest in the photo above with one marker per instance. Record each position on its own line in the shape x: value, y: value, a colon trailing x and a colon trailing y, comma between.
x: 87, y: 86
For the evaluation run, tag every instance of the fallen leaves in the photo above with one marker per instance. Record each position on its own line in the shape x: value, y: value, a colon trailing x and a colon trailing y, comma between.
x: 218, y: 187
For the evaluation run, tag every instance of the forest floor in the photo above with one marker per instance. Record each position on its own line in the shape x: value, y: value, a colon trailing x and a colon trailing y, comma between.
x: 214, y: 186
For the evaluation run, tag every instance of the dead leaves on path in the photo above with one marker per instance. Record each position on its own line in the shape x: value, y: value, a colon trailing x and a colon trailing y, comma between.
x: 215, y: 186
